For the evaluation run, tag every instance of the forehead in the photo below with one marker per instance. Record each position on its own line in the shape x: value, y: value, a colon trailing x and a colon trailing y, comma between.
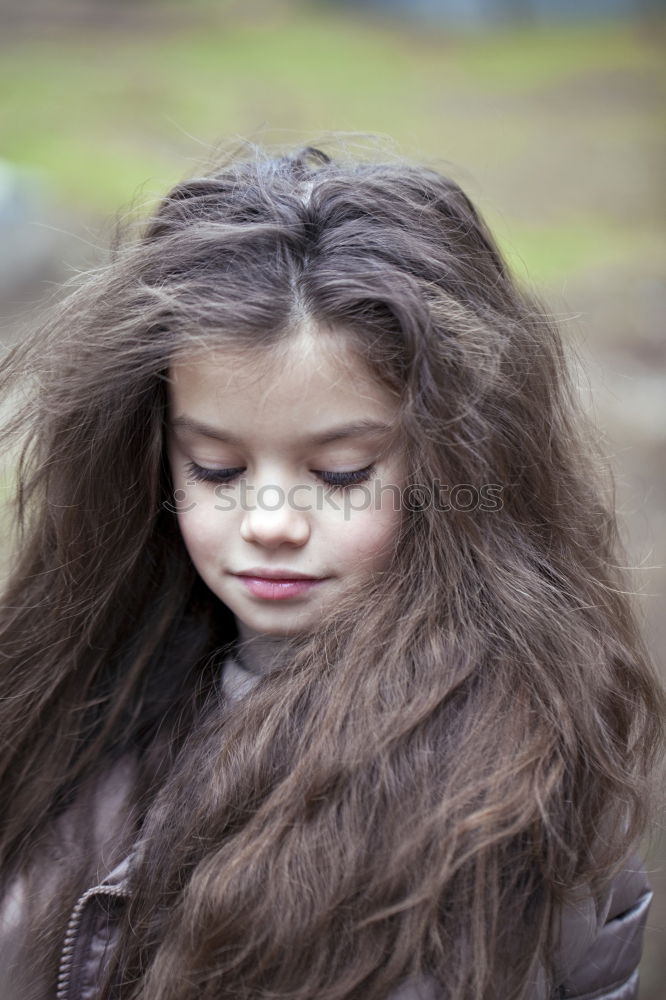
x: 311, y: 376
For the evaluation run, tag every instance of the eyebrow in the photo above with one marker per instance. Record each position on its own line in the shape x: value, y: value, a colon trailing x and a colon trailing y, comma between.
x: 356, y: 428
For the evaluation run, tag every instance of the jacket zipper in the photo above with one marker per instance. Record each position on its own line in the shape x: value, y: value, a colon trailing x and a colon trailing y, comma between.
x: 65, y: 968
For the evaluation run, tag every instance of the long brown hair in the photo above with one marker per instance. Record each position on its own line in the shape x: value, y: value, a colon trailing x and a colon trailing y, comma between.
x: 414, y: 789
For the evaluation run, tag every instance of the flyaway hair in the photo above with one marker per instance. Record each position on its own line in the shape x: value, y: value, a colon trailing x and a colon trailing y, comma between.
x: 417, y: 787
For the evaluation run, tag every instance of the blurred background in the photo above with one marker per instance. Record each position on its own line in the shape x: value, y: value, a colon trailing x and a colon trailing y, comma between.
x: 550, y: 113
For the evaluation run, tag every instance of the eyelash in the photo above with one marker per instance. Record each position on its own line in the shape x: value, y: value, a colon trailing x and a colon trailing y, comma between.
x: 337, y: 480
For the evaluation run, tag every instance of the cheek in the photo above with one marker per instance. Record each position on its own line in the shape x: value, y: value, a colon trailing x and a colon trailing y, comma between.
x: 203, y: 529
x: 369, y: 536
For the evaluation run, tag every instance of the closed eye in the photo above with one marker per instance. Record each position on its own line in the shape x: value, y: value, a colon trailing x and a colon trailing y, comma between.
x: 337, y: 480
x: 345, y: 479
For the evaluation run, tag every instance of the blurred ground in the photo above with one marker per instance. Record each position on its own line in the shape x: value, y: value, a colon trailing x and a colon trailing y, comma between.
x: 556, y: 133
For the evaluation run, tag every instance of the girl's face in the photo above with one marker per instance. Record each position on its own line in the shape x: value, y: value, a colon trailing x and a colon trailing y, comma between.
x: 284, y: 470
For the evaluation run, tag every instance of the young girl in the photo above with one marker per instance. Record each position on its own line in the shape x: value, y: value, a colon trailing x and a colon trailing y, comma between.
x: 319, y: 675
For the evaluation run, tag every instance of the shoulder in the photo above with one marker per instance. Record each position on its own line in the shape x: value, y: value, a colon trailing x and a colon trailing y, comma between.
x: 598, y: 945
x: 101, y: 805
x: 600, y: 941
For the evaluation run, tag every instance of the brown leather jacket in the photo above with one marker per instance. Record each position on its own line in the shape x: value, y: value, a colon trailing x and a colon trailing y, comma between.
x: 597, y: 953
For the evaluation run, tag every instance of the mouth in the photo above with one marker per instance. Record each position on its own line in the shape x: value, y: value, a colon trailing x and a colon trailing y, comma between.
x: 277, y: 584
x: 276, y: 573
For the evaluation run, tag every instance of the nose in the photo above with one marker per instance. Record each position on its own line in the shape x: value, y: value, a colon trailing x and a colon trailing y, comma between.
x: 271, y: 521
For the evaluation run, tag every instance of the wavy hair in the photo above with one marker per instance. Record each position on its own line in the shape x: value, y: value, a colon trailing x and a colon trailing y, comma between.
x: 417, y: 787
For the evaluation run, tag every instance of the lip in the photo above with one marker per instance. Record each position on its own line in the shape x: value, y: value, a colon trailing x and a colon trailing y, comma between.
x: 277, y: 584
x: 264, y: 573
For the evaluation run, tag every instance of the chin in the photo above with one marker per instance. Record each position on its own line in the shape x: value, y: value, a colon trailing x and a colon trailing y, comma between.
x: 271, y: 625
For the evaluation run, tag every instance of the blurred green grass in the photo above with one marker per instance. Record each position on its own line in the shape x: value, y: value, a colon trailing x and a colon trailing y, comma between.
x: 528, y: 119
